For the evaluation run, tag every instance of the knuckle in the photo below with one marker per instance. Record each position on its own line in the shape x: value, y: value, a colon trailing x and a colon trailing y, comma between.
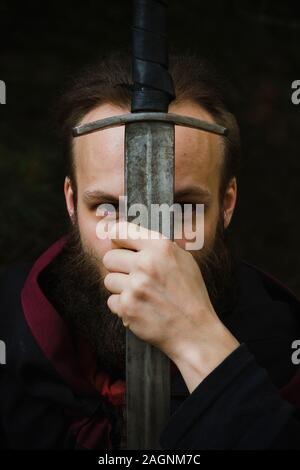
x: 140, y: 285
x: 168, y: 248
x: 146, y: 263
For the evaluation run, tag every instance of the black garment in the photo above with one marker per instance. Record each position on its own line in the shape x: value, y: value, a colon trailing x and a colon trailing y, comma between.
x: 235, y: 407
x: 238, y: 406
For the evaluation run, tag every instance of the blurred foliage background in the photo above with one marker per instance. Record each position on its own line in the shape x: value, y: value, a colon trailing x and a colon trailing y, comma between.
x: 255, y: 44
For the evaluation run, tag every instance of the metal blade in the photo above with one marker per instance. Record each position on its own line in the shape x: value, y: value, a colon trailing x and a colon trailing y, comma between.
x: 149, y: 178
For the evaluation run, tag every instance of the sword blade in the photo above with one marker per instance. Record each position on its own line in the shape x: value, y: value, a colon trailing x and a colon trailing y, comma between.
x: 149, y: 179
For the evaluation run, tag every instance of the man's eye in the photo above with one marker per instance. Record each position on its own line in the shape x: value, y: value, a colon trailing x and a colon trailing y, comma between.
x: 106, y: 209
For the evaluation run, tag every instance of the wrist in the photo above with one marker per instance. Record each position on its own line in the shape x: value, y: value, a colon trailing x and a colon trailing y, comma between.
x: 197, y: 357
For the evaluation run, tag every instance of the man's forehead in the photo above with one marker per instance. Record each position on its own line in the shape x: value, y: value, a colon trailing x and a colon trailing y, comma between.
x: 99, y: 157
x: 100, y: 154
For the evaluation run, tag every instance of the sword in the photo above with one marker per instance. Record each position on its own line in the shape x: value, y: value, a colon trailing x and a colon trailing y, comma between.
x: 149, y: 179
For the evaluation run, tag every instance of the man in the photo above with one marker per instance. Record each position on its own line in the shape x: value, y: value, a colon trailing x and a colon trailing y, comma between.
x: 226, y: 327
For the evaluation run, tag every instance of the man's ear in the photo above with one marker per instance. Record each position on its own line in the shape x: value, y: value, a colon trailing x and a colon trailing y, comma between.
x: 229, y: 201
x: 69, y: 196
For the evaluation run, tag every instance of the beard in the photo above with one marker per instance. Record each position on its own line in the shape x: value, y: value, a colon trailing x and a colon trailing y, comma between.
x: 217, y: 264
x: 80, y: 296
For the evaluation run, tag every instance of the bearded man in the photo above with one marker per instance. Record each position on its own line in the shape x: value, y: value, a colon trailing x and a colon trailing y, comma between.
x: 226, y: 326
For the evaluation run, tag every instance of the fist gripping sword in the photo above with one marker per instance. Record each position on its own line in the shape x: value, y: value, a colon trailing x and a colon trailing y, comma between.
x: 149, y: 179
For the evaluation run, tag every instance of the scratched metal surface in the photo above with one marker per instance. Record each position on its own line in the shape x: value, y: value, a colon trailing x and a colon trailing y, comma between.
x: 149, y: 163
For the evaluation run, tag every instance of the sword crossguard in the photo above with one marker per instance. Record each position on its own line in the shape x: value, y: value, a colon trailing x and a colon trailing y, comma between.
x: 178, y: 119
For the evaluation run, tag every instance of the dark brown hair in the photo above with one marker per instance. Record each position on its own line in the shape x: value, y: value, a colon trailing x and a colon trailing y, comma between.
x: 109, y: 80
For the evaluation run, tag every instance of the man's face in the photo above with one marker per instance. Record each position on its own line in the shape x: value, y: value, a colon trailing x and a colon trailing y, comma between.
x: 99, y: 168
x: 99, y: 161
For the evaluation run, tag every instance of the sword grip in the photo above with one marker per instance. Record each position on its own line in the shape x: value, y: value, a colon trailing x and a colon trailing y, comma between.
x: 153, y: 87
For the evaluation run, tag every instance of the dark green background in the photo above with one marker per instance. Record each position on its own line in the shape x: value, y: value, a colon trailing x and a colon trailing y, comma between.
x: 255, y: 44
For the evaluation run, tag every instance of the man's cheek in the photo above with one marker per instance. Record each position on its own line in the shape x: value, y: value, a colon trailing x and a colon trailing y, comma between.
x: 210, y: 226
x: 87, y: 223
x: 102, y: 247
x: 87, y: 229
x: 99, y: 248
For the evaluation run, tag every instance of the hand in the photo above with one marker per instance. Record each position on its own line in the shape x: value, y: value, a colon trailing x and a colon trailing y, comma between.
x: 158, y: 290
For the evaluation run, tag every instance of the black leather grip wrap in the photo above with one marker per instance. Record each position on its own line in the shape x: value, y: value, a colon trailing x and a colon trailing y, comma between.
x: 153, y: 87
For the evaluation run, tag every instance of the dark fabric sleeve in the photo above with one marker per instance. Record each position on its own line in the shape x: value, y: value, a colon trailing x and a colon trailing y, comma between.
x: 235, y: 407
